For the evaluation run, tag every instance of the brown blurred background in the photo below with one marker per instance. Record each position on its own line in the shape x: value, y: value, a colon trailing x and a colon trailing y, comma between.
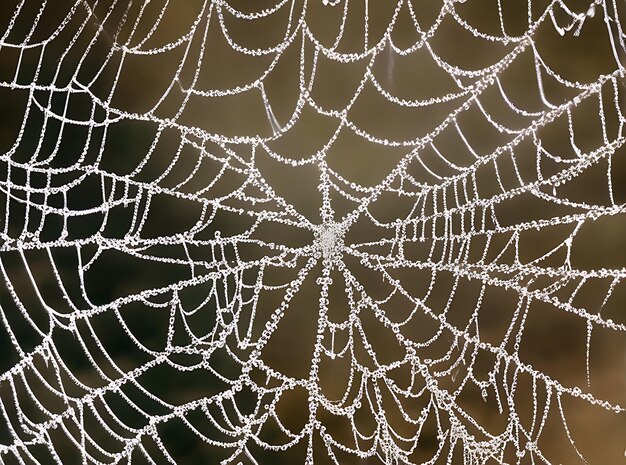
x: 126, y: 87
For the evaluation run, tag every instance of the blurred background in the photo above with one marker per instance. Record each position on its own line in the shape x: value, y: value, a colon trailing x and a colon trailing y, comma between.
x: 127, y: 127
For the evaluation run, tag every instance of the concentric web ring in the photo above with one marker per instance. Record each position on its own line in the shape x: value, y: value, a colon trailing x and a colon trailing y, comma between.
x: 343, y: 232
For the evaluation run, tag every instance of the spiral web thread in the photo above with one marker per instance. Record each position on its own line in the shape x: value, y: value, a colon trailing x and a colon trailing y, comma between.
x: 54, y: 412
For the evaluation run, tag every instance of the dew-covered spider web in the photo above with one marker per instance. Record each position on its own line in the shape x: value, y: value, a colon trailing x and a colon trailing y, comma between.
x: 312, y: 231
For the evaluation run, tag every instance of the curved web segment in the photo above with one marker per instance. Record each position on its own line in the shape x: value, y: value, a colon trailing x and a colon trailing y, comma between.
x: 312, y: 232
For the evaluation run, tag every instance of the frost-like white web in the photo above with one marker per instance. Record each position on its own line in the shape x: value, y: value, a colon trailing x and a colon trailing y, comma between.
x: 312, y: 232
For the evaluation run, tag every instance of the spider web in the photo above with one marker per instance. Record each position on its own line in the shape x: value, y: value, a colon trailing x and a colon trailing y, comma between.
x: 312, y: 232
